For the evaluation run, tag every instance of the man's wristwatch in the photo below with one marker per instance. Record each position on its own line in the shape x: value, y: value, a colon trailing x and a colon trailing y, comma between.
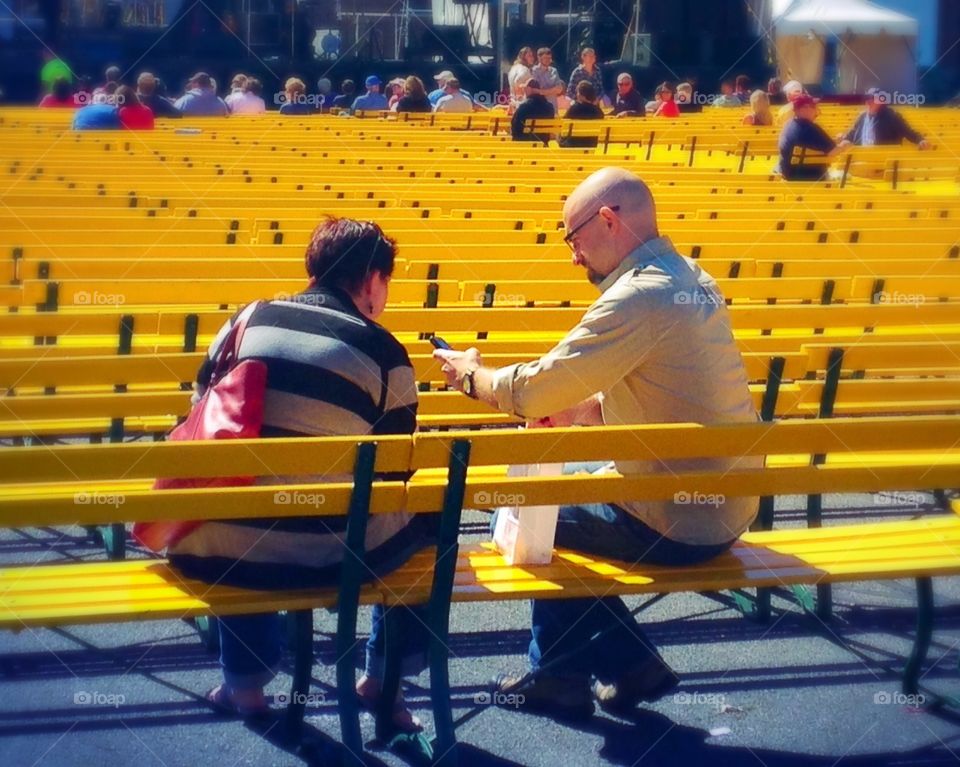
x: 468, y: 385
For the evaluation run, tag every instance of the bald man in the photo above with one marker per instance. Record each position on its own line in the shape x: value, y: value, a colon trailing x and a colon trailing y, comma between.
x: 655, y: 347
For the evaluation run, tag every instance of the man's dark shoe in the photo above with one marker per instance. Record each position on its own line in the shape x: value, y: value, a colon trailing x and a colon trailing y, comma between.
x: 645, y: 682
x: 559, y: 696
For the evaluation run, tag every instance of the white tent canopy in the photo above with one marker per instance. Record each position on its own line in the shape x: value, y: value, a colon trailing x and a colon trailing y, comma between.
x: 840, y: 17
x: 874, y: 47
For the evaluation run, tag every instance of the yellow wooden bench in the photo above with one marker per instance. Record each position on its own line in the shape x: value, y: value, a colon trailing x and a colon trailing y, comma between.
x: 42, y: 485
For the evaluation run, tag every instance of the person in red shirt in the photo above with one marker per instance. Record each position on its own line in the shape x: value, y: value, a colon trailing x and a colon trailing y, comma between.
x: 60, y: 97
x: 668, y: 105
x: 133, y: 114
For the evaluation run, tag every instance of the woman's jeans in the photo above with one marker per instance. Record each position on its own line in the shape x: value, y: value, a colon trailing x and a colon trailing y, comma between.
x: 250, y: 645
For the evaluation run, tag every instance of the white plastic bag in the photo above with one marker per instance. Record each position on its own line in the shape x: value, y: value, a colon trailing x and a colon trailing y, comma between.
x: 524, y: 534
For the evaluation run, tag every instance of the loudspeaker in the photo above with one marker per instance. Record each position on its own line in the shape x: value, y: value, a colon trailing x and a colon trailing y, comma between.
x: 637, y: 50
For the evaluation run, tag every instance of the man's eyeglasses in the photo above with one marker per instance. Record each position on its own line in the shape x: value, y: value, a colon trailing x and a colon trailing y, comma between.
x: 568, y: 237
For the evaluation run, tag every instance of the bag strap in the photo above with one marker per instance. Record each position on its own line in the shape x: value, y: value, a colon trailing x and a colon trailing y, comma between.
x: 230, y: 348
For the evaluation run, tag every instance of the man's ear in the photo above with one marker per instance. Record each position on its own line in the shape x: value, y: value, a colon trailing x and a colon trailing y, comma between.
x: 608, y: 215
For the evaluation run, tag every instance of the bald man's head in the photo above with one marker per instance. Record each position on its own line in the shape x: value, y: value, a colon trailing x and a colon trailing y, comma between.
x: 626, y: 215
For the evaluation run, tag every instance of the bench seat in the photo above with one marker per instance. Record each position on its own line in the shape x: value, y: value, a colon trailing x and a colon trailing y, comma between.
x: 59, y: 594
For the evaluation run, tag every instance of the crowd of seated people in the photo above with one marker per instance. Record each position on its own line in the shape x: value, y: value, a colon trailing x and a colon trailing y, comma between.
x: 535, y: 91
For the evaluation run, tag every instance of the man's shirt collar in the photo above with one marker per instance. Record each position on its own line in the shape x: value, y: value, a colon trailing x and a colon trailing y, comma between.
x: 642, y: 254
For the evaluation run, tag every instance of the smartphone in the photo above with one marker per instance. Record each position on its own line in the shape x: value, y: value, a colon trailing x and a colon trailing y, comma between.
x: 439, y: 343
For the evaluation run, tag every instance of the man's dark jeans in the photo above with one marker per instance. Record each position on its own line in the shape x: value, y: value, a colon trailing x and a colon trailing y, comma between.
x: 564, y: 627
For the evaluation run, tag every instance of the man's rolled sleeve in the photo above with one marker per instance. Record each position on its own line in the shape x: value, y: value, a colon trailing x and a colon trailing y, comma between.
x: 503, y: 387
x: 595, y: 355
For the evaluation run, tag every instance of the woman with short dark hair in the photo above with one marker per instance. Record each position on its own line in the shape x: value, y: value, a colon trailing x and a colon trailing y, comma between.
x: 585, y: 107
x: 331, y: 370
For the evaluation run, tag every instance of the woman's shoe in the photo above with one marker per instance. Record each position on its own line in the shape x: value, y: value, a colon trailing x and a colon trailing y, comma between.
x: 224, y: 703
x: 368, y: 695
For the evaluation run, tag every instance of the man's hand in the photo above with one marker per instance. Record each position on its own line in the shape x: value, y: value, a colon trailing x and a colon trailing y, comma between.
x: 840, y: 148
x: 457, y: 364
x: 924, y: 145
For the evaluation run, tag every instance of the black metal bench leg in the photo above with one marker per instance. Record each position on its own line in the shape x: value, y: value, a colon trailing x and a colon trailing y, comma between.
x: 351, y: 575
x: 412, y: 747
x: 390, y: 684
x: 444, y: 572
x: 921, y: 644
x: 765, y: 522
x: 302, y: 666
x: 349, y: 708
x: 824, y: 608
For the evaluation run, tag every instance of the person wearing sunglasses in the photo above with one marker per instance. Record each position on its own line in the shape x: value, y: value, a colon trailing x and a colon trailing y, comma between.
x: 628, y: 102
x: 655, y: 347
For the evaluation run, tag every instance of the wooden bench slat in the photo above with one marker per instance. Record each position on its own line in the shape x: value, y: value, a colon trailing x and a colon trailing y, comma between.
x: 33, y: 596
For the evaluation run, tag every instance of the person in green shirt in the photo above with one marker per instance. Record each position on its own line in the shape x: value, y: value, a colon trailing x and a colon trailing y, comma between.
x: 54, y: 68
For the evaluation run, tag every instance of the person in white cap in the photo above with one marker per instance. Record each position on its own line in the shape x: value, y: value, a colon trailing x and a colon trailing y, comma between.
x: 441, y: 80
x: 394, y: 91
x: 792, y: 91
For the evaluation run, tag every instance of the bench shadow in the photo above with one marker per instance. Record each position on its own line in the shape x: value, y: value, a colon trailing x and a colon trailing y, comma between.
x: 314, y: 747
x: 653, y: 739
